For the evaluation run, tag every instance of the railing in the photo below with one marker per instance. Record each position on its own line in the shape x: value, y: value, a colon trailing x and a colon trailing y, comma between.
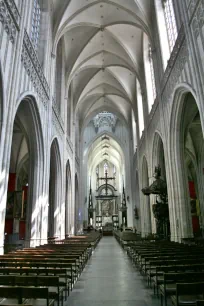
x: 58, y: 122
x: 173, y: 57
x: 10, y: 18
x: 34, y: 69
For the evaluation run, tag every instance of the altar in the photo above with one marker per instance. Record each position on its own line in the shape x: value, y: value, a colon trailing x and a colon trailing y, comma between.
x: 106, y: 204
x: 106, y: 220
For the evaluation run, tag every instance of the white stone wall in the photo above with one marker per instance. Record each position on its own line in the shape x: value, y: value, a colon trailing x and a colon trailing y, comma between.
x: 183, y: 74
x: 23, y: 76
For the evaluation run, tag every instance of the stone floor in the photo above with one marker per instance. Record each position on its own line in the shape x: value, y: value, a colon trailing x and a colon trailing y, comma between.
x: 109, y: 279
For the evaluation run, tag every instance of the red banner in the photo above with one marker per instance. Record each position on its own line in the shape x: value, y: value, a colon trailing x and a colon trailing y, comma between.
x: 12, y: 182
x: 8, y: 226
x: 22, y: 229
x: 192, y: 190
x: 195, y: 223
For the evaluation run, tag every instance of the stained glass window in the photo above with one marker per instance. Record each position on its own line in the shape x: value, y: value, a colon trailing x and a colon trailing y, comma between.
x: 105, y: 168
x: 170, y: 22
x: 35, y: 31
x: 152, y: 72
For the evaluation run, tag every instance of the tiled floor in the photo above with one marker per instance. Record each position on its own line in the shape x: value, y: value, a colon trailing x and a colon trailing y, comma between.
x: 109, y: 279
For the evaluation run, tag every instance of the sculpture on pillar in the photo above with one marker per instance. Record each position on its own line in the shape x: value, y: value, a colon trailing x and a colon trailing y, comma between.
x: 91, y: 209
x: 160, y: 209
x: 123, y: 207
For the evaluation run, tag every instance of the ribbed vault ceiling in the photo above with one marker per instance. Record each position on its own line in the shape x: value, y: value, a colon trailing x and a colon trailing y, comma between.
x: 103, y: 45
x: 105, y: 149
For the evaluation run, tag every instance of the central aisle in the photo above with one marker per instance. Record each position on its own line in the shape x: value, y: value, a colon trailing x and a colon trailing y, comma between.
x: 109, y: 279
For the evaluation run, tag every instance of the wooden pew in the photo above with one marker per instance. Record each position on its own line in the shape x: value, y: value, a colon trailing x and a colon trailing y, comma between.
x: 32, y: 295
x: 55, y: 287
x: 188, y: 293
x: 61, y: 273
x: 168, y: 287
x: 158, y: 279
x: 39, y: 265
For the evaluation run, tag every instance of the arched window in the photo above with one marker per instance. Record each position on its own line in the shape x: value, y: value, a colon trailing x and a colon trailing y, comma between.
x: 97, y: 170
x: 152, y: 72
x: 39, y: 31
x: 170, y: 20
x: 140, y: 108
x: 36, y: 21
x: 114, y: 170
x: 69, y: 100
x: 105, y: 168
x: 167, y: 28
x: 134, y: 134
x: 149, y: 72
x: 58, y: 75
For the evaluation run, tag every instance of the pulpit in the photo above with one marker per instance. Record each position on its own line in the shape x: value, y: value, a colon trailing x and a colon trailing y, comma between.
x: 160, y: 209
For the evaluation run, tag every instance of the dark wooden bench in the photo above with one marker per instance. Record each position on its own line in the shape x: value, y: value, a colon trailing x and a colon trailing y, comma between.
x: 158, y: 279
x: 168, y: 287
x: 188, y: 294
x: 20, y: 294
x: 55, y: 287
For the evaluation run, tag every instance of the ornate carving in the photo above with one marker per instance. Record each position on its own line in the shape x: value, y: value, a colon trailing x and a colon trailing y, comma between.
x: 192, y: 7
x: 160, y: 211
x: 175, y: 71
x: 153, y: 110
x: 141, y: 141
x: 105, y: 119
x: 198, y: 18
x: 174, y: 55
x: 13, y: 10
x: 69, y: 146
x: 56, y: 118
x: 34, y: 70
x: 10, y: 18
x: 195, y: 26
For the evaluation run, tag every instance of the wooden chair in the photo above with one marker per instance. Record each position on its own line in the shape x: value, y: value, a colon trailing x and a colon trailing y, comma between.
x: 188, y: 294
x: 10, y: 295
x: 36, y: 296
x: 7, y: 280
x: 53, y: 284
x: 200, y: 303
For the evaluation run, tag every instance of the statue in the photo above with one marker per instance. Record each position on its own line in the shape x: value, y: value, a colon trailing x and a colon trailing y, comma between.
x: 160, y: 209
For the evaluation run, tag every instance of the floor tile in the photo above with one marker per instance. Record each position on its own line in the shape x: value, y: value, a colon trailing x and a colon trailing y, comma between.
x: 110, y: 279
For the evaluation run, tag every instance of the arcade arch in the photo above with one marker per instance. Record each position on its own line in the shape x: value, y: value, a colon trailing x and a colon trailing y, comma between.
x: 24, y: 196
x: 54, y: 212
x: 186, y: 151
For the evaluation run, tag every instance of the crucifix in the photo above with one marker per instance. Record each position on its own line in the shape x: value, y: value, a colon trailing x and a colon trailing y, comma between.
x: 106, y: 179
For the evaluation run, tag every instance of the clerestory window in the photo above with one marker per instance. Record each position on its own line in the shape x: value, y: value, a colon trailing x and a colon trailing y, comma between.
x: 152, y: 73
x: 170, y: 21
x: 36, y: 20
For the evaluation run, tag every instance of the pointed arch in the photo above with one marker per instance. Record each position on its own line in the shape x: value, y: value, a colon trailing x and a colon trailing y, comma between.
x: 145, y: 201
x: 184, y: 109
x: 158, y: 156
x: 1, y: 100
x: 77, y: 209
x: 68, y: 199
x: 55, y: 190
x: 30, y: 128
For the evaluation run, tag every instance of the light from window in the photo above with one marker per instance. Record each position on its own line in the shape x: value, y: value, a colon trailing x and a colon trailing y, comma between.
x: 134, y: 134
x: 35, y: 31
x: 140, y: 108
x: 105, y: 168
x: 170, y: 22
x: 114, y: 170
x: 152, y: 72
